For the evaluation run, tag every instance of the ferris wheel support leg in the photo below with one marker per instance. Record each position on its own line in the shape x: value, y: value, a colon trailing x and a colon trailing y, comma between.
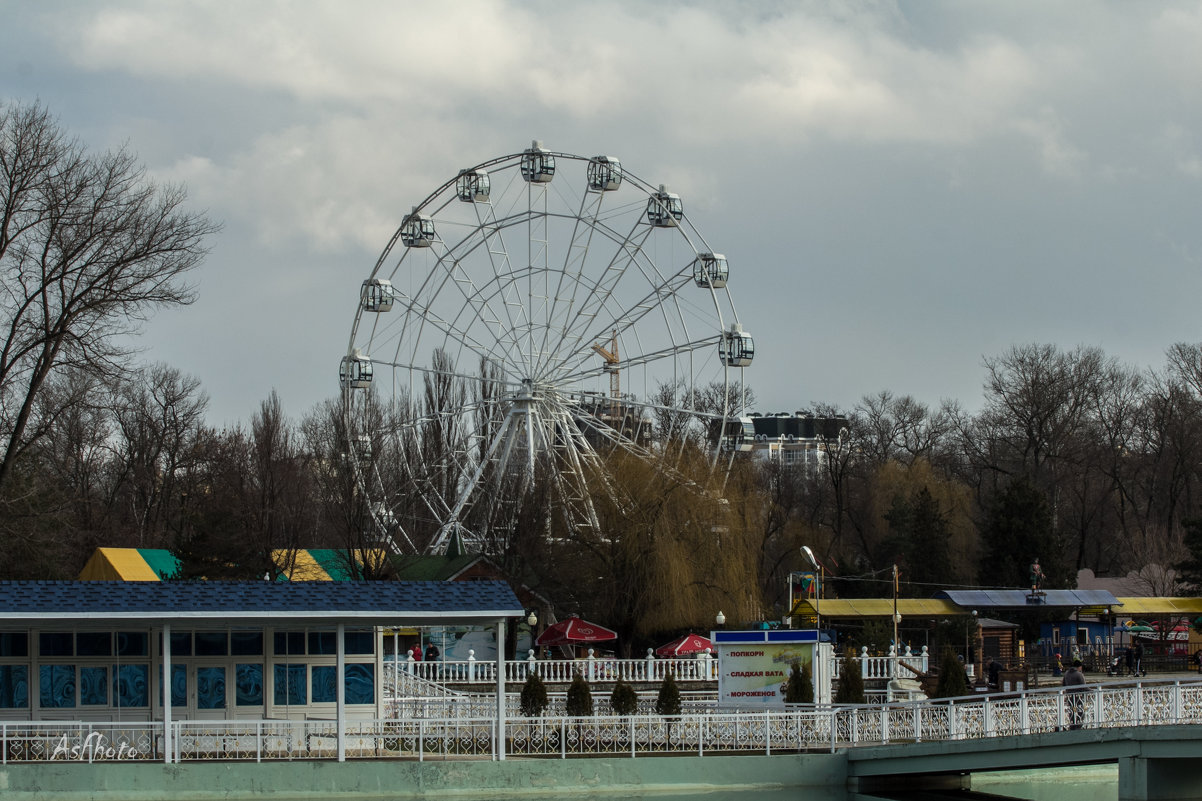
x: 444, y: 533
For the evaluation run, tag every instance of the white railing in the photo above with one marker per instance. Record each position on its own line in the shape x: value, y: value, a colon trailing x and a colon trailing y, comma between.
x: 474, y: 705
x: 593, y: 668
x: 804, y: 727
x: 891, y: 666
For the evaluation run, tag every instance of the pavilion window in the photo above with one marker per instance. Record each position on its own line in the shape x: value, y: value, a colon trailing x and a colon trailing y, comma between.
x: 56, y: 686
x: 360, y: 683
x: 212, y: 643
x: 323, y: 642
x: 94, y: 643
x: 246, y: 643
x: 179, y: 684
x: 289, y: 685
x: 248, y: 684
x: 14, y: 686
x: 56, y: 643
x: 360, y: 642
x: 289, y: 643
x: 133, y: 643
x: 324, y: 684
x: 210, y: 688
x: 131, y: 686
x: 14, y: 644
x: 93, y: 686
x: 181, y: 644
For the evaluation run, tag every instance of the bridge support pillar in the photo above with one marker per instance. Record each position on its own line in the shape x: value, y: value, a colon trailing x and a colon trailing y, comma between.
x: 1159, y: 779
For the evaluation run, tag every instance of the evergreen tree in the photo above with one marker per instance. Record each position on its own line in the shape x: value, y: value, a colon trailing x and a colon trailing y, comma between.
x: 1018, y: 530
x: 953, y: 682
x: 928, y: 543
x: 534, y: 696
x: 624, y: 700
x: 851, y: 683
x: 668, y: 700
x: 800, y: 688
x: 580, y: 697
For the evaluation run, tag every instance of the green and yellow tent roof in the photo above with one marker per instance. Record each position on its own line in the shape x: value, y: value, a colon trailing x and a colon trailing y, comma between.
x: 158, y: 564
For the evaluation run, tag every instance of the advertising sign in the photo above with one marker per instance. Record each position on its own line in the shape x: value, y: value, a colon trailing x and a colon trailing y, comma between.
x: 754, y: 666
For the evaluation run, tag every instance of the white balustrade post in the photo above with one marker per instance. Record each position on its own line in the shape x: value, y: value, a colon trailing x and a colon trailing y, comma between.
x: 892, y: 668
x: 650, y: 666
x: 409, y: 663
x: 864, y: 662
x: 709, y: 665
x: 531, y: 663
x: 471, y: 665
x: 926, y: 657
x: 592, y: 665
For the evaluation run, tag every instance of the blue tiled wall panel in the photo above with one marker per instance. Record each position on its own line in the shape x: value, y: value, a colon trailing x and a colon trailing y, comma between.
x: 56, y: 686
x: 360, y: 680
x: 131, y: 685
x: 210, y: 688
x: 93, y: 686
x: 248, y: 685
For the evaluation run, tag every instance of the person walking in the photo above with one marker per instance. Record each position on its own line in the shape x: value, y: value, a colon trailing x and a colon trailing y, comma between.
x: 1138, y: 658
x: 1129, y: 661
x: 1074, y: 682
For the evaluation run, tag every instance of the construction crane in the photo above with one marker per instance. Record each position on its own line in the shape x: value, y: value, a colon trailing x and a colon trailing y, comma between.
x: 610, y: 355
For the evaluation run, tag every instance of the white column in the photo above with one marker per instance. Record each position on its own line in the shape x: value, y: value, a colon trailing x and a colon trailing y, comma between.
x: 340, y: 692
x: 501, y: 689
x: 166, y: 682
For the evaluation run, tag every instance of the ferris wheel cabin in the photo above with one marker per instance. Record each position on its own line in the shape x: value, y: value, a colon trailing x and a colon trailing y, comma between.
x: 354, y: 372
x: 664, y: 209
x: 738, y: 434
x: 376, y: 295
x: 604, y: 174
x: 736, y: 348
x: 473, y: 186
x: 417, y: 231
x: 538, y: 165
x: 711, y: 270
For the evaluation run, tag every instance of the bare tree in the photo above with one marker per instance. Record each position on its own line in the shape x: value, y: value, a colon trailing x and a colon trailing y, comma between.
x: 158, y: 413
x: 89, y: 247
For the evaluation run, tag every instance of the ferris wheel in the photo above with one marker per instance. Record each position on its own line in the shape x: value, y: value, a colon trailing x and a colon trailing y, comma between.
x: 530, y: 318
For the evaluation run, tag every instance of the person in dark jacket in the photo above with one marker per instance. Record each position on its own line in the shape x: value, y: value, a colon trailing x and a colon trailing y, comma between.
x: 1074, y: 681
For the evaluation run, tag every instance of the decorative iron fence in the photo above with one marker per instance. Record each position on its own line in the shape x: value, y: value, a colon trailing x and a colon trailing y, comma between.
x: 799, y: 728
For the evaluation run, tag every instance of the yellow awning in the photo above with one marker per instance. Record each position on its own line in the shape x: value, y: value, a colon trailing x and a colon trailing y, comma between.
x: 876, y: 607
x: 1149, y: 607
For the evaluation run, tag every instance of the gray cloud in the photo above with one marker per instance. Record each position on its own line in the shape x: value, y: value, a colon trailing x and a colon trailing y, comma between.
x: 900, y: 188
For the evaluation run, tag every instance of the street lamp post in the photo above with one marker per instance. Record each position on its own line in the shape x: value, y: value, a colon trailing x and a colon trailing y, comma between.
x: 896, y: 620
x: 805, y: 549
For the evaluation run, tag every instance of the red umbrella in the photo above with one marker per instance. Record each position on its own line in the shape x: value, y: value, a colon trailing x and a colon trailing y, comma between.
x: 574, y: 630
x: 683, y: 646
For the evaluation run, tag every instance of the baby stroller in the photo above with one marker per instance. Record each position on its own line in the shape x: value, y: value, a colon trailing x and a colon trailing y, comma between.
x: 1115, y: 667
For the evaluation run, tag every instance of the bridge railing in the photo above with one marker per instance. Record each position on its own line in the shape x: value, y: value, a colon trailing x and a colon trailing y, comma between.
x: 1091, y: 706
x: 798, y: 728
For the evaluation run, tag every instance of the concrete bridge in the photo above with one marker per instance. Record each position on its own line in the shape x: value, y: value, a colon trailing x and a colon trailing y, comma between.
x: 1156, y: 763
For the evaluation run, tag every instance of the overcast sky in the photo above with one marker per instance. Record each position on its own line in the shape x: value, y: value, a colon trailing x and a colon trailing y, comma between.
x: 901, y: 188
